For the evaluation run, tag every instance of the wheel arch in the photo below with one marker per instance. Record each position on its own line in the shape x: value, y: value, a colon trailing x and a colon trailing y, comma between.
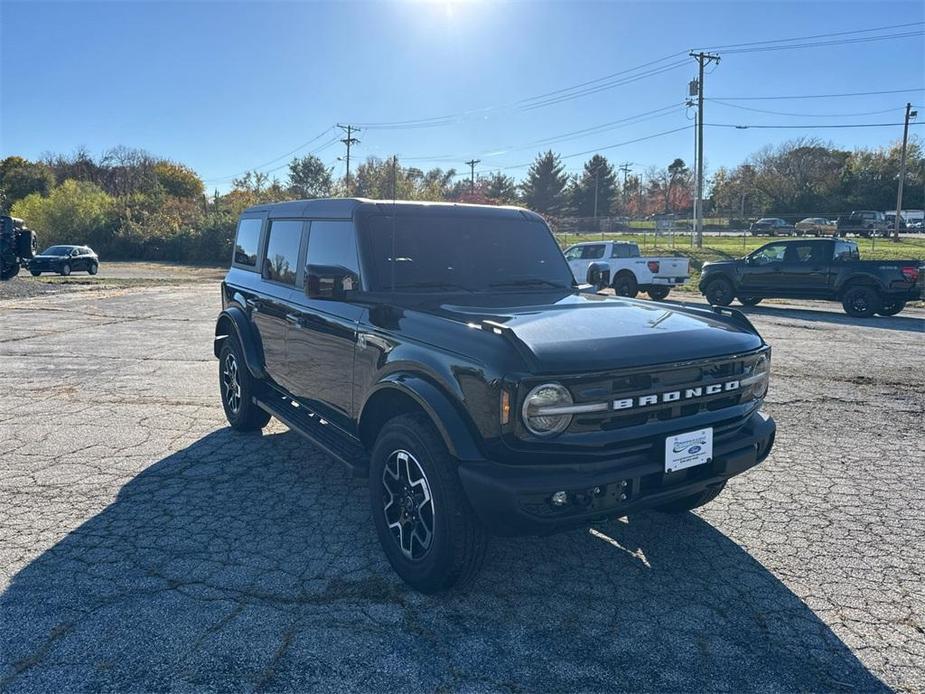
x: 863, y: 280
x: 400, y: 393
x: 233, y: 321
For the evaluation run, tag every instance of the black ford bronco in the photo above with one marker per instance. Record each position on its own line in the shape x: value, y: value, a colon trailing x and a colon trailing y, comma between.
x: 446, y: 353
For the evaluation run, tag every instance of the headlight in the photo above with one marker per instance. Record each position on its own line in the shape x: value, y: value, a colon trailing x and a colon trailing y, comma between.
x: 761, y: 373
x: 540, y: 409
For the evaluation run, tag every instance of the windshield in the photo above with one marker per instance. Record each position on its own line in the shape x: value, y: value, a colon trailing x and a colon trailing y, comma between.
x: 57, y: 250
x: 461, y: 253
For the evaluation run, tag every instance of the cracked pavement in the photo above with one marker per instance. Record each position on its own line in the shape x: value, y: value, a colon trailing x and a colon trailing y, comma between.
x: 144, y: 546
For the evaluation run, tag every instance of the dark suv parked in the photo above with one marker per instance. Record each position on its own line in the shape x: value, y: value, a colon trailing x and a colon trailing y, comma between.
x: 446, y: 353
x: 64, y: 260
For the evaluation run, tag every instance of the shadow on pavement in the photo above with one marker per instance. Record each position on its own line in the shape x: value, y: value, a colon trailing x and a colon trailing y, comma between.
x: 913, y: 324
x: 250, y: 562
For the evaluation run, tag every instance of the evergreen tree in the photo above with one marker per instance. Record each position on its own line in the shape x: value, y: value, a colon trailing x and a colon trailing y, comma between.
x: 598, y: 175
x: 501, y: 188
x: 544, y: 190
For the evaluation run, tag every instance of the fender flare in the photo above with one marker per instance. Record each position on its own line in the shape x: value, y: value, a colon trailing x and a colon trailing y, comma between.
x: 453, y: 429
x: 859, y: 278
x: 244, y: 332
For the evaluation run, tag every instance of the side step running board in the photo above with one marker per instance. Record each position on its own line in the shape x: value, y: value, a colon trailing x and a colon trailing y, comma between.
x: 323, y: 434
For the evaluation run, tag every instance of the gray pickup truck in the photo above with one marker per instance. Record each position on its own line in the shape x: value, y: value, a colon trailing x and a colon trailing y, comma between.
x: 829, y: 269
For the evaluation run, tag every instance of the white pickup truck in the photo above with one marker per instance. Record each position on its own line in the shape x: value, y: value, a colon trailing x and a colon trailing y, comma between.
x: 630, y: 272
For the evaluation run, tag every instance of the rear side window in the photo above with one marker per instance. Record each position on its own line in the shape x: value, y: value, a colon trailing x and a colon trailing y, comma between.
x: 845, y: 251
x: 245, y: 245
x: 331, y: 261
x: 624, y: 250
x: 281, y: 263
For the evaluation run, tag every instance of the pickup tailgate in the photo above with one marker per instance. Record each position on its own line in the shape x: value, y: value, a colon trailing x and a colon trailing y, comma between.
x: 669, y: 268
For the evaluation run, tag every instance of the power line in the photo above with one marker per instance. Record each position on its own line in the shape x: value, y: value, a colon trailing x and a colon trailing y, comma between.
x: 802, y: 127
x: 818, y: 44
x: 814, y: 96
x: 806, y: 115
x: 273, y: 161
x: 813, y: 36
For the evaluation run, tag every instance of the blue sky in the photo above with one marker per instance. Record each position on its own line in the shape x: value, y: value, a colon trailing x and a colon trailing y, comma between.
x: 227, y: 87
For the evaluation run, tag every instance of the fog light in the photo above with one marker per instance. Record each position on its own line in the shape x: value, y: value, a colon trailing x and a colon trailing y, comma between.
x: 560, y: 499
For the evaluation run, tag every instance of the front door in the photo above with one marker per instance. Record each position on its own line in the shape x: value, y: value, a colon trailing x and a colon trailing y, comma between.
x: 322, y: 341
x: 761, y: 275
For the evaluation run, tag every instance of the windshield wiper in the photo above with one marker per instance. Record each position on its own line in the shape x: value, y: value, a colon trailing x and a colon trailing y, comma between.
x: 432, y: 285
x: 529, y: 282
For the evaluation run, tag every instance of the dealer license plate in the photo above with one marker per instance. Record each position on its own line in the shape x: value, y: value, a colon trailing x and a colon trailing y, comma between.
x: 688, y: 450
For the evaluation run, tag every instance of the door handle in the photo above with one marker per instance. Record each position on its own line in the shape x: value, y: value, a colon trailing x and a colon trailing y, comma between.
x: 251, y: 304
x: 294, y: 319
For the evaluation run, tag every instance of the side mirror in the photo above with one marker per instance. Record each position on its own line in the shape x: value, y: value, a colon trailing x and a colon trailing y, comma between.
x: 332, y: 282
x: 599, y: 275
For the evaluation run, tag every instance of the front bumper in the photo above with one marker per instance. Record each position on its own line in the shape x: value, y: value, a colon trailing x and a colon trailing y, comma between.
x: 515, y: 499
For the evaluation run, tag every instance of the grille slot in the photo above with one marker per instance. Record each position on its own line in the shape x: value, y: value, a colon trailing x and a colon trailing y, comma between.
x: 615, y: 387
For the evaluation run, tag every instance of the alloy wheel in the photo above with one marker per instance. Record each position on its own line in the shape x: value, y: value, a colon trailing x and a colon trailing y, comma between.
x: 231, y: 383
x: 408, y: 504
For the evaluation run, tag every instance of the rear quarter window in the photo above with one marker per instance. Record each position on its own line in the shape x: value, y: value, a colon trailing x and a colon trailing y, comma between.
x: 246, y: 242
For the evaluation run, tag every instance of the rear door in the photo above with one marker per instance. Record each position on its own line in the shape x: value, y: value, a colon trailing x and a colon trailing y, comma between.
x: 805, y: 271
x: 272, y: 306
x: 323, y: 332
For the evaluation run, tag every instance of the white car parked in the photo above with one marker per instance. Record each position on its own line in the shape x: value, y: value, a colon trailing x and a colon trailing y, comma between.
x: 630, y: 272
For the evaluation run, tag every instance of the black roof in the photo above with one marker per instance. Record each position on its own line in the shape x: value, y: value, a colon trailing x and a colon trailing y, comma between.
x: 347, y: 208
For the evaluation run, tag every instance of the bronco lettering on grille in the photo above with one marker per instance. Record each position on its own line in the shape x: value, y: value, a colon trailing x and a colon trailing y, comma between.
x: 674, y: 395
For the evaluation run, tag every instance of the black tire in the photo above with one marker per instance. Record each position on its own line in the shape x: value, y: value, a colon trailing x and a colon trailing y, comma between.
x: 65, y: 270
x: 658, y: 293
x: 93, y: 268
x: 624, y: 284
x: 719, y: 292
x: 237, y: 386
x: 689, y: 503
x: 8, y: 271
x: 749, y: 300
x: 861, y: 301
x: 457, y: 541
x: 36, y: 273
x: 891, y: 308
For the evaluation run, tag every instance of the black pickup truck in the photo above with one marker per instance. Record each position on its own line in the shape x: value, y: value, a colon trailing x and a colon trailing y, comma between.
x: 829, y: 269
x: 446, y: 353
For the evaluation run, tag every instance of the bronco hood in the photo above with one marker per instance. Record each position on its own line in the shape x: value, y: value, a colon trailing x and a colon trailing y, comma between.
x: 590, y: 332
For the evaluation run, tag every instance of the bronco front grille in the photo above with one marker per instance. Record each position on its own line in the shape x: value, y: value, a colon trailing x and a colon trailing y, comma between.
x: 689, y: 383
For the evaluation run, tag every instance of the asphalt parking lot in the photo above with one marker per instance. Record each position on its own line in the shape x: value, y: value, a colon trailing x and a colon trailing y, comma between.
x: 144, y: 546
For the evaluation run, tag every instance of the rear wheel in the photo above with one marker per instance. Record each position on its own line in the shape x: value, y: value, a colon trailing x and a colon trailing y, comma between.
x: 688, y: 503
x: 36, y: 273
x: 427, y: 528
x: 749, y: 300
x: 237, y: 387
x: 658, y: 293
x: 891, y: 308
x: 719, y: 292
x: 861, y: 301
x: 624, y: 284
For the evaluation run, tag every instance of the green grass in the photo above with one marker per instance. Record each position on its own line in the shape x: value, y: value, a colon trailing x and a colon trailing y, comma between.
x: 729, y: 247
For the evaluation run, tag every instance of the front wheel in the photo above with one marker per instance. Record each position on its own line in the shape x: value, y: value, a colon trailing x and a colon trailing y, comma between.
x: 719, y: 292
x: 658, y: 293
x: 749, y: 300
x: 65, y: 270
x: 93, y: 269
x: 689, y: 503
x: 427, y: 529
x: 861, y: 302
x: 891, y: 308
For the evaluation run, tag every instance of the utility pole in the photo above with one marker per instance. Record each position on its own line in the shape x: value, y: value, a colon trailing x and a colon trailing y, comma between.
x: 703, y: 59
x: 471, y: 163
x: 625, y: 167
x: 597, y: 170
x: 902, y: 172
x: 349, y: 140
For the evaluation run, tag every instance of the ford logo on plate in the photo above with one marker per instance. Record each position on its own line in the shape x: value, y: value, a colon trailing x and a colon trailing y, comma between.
x: 693, y: 449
